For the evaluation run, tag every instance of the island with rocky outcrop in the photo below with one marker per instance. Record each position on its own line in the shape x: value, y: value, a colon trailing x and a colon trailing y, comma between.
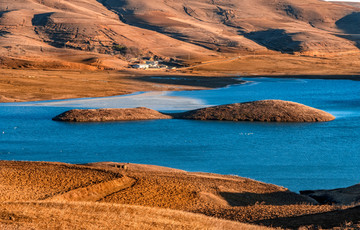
x: 99, y: 115
x: 264, y: 111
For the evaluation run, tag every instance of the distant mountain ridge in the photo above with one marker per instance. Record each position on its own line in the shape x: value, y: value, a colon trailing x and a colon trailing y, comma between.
x: 111, y: 32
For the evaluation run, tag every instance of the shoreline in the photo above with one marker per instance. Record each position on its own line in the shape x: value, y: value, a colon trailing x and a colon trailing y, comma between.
x: 25, y: 85
x: 138, y: 98
x: 313, y: 77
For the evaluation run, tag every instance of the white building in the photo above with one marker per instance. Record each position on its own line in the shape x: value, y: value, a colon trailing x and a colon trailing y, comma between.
x: 141, y: 66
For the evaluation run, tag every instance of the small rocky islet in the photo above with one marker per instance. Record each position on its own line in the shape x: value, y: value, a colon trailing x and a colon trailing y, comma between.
x: 101, y: 115
x: 263, y: 111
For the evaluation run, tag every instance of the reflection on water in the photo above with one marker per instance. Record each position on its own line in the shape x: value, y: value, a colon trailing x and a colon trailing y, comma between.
x: 296, y: 156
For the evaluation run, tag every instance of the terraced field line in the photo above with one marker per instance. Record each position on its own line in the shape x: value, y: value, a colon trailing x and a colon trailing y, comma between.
x: 95, y: 192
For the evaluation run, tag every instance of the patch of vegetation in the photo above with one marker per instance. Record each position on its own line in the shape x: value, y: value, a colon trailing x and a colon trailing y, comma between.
x: 120, y: 48
x: 128, y: 52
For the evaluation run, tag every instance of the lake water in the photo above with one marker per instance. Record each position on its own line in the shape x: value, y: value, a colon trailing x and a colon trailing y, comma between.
x: 294, y: 155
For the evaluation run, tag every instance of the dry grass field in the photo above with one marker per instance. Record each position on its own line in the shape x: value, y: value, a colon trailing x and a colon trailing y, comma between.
x: 84, y: 215
x: 42, y: 195
x: 343, y: 66
x: 35, y: 85
x: 18, y: 85
x: 23, y: 181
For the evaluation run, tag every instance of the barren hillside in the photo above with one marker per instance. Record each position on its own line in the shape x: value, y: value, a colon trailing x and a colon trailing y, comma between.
x: 257, y: 25
x: 108, y: 33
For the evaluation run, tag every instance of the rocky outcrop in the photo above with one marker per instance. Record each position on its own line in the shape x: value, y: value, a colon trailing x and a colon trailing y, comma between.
x: 97, y: 115
x: 266, y: 110
x: 343, y: 196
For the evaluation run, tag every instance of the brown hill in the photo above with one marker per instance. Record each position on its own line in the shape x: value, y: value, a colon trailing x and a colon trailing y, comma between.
x: 93, y: 34
x: 40, y: 195
x: 285, y: 26
x: 33, y: 195
x: 47, y: 195
x: 266, y: 110
x: 91, y: 115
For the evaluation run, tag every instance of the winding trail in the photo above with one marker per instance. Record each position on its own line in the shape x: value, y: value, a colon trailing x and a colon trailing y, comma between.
x: 95, y: 192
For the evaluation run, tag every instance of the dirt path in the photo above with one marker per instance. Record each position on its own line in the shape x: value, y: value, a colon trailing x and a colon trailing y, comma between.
x: 95, y: 192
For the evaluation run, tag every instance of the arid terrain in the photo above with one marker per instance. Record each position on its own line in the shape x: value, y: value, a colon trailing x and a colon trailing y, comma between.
x: 109, y: 33
x: 50, y: 48
x: 59, y: 49
x: 35, y: 85
x: 109, y: 195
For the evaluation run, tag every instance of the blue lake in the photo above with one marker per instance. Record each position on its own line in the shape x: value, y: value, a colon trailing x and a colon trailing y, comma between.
x: 294, y: 155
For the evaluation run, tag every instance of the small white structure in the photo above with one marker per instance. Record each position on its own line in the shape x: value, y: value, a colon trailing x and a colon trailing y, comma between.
x: 141, y: 66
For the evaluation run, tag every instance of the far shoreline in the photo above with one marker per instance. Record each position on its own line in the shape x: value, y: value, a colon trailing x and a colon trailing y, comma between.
x: 31, y: 85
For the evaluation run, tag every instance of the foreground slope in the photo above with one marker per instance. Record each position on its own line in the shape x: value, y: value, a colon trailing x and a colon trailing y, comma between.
x: 84, y: 215
x: 108, y: 195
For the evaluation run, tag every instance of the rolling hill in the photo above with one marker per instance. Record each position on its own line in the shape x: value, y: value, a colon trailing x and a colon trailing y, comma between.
x: 109, y: 33
x: 109, y: 195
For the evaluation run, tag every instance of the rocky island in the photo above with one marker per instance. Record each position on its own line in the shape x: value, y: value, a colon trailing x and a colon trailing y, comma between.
x: 97, y: 115
x: 265, y: 110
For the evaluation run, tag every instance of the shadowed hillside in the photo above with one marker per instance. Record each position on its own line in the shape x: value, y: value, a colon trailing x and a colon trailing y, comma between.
x: 108, y: 33
x: 309, y: 25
